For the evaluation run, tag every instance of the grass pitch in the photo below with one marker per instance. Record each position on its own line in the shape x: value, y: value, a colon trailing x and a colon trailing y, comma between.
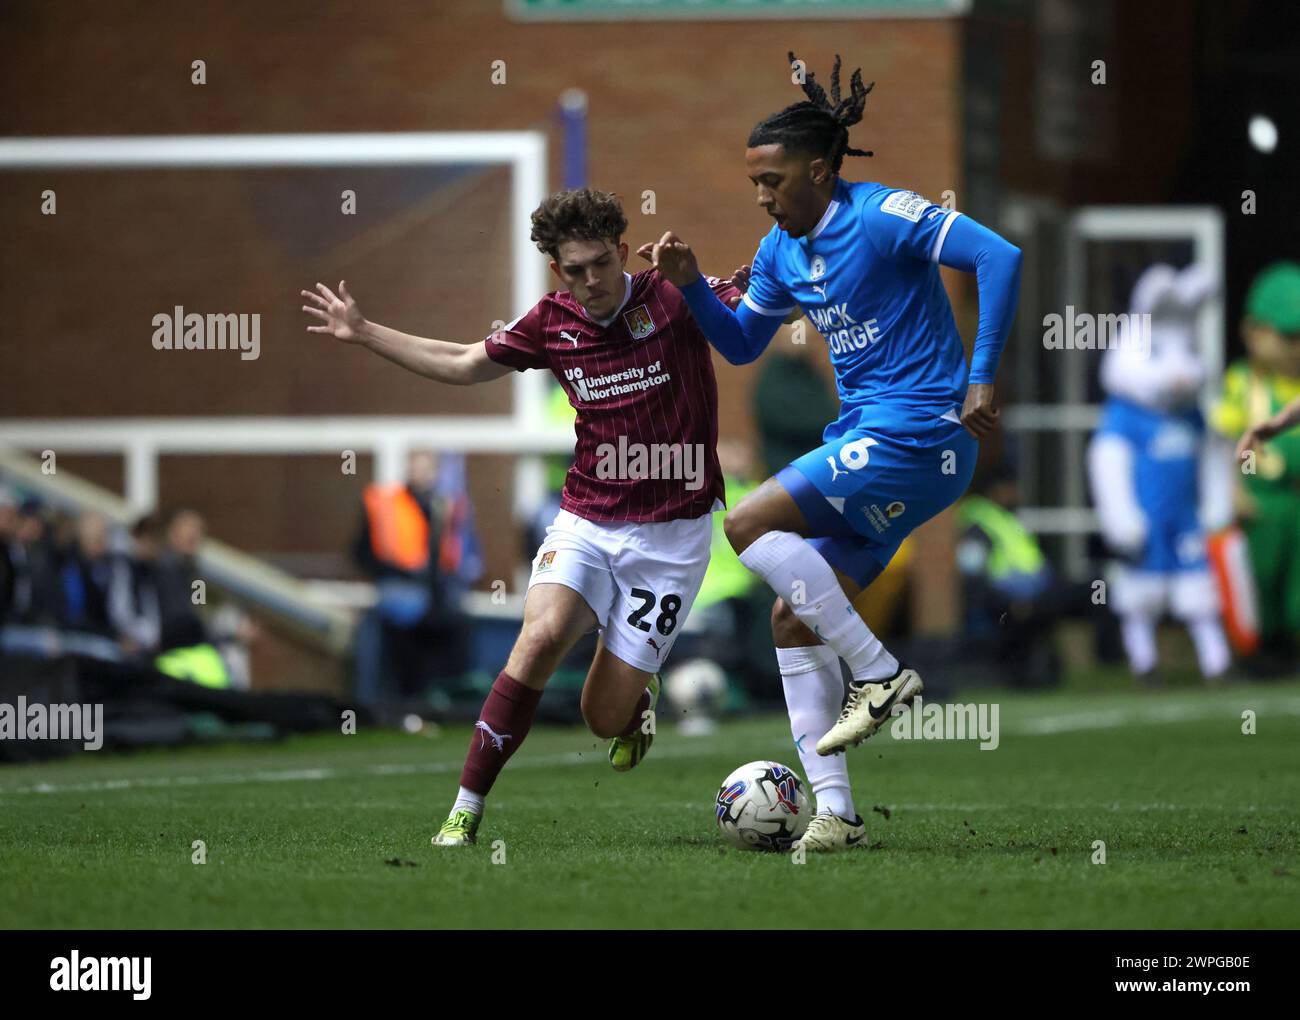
x: 1201, y: 825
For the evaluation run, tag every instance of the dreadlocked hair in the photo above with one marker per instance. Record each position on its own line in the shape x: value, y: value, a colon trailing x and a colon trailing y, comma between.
x: 580, y: 214
x: 819, y: 125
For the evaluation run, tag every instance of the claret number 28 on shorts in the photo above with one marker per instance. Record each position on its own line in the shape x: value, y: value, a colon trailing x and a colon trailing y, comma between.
x: 668, y: 608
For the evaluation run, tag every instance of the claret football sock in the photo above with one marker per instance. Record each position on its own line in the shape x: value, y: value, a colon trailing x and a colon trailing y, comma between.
x: 800, y: 575
x: 638, y: 716
x: 502, y: 725
x: 814, y: 690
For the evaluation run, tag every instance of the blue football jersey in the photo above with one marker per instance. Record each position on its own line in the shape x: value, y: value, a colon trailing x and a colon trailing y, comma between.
x: 867, y: 276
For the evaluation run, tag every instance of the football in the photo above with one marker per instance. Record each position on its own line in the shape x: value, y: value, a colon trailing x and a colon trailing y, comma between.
x: 763, y: 806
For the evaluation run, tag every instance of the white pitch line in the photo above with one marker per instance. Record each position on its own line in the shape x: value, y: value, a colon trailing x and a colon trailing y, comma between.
x: 1169, y: 712
x: 1154, y: 714
x: 318, y: 774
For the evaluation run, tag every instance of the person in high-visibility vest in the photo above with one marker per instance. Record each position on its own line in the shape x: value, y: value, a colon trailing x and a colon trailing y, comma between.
x: 417, y: 543
x: 1012, y: 595
x: 189, y: 648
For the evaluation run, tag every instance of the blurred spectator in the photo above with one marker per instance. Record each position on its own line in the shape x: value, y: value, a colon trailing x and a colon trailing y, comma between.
x: 133, y: 598
x: 86, y: 574
x: 8, y: 535
x: 189, y: 649
x: 33, y: 569
x: 417, y: 542
x: 1268, y: 500
x: 1012, y: 596
x: 1157, y: 477
x: 175, y: 572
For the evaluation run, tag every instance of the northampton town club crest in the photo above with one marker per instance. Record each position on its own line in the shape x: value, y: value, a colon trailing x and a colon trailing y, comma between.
x: 639, y: 323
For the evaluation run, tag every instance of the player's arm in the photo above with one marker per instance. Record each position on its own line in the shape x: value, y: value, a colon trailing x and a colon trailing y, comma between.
x: 1269, y: 427
x: 440, y: 360
x: 995, y: 261
x: 740, y: 336
x: 739, y: 280
x: 973, y: 248
x: 903, y: 225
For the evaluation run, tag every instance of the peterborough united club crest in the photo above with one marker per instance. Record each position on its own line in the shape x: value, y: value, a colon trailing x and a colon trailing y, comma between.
x: 639, y: 323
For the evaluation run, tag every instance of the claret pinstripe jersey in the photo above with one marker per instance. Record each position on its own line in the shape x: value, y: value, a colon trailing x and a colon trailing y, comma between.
x: 647, y: 400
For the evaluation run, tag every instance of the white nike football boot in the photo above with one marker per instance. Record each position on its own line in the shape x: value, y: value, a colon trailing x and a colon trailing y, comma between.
x: 867, y: 707
x: 827, y: 833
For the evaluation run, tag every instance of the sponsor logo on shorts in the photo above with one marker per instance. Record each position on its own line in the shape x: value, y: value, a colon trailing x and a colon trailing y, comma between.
x: 547, y: 558
x: 655, y: 645
x: 878, y: 518
x: 639, y: 323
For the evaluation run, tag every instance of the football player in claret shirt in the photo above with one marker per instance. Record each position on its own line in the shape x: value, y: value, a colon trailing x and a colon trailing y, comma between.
x: 628, y: 550
x: 862, y: 260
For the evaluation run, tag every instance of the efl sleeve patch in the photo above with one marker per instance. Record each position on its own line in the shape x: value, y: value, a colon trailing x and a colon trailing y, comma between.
x: 907, y: 204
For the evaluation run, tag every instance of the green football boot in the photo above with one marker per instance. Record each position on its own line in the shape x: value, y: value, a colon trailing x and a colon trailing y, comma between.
x: 625, y: 753
x: 460, y: 829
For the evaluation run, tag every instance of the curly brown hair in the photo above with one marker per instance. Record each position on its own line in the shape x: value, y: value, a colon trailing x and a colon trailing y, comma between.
x: 580, y: 214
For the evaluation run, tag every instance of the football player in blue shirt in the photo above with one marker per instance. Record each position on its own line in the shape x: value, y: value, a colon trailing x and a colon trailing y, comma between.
x: 862, y: 261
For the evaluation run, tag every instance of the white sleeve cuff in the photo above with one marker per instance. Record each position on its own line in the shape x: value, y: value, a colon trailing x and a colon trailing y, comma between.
x: 771, y: 313
x: 943, y: 233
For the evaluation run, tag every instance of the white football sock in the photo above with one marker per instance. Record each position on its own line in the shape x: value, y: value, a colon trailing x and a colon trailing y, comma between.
x: 814, y: 691
x: 469, y: 800
x: 799, y: 574
x: 1211, y: 645
x: 1139, y: 633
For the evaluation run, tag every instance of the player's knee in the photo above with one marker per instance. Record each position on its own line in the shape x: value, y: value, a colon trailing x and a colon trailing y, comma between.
x: 540, y: 645
x: 742, y: 526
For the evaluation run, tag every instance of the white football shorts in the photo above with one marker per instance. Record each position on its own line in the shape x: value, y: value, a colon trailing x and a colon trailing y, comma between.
x: 640, y: 579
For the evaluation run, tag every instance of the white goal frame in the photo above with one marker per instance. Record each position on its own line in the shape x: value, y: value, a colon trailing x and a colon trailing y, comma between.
x: 142, y: 440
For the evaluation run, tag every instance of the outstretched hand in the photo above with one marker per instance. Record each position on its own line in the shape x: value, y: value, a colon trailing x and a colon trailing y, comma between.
x: 673, y: 258
x: 739, y: 279
x: 338, y: 312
